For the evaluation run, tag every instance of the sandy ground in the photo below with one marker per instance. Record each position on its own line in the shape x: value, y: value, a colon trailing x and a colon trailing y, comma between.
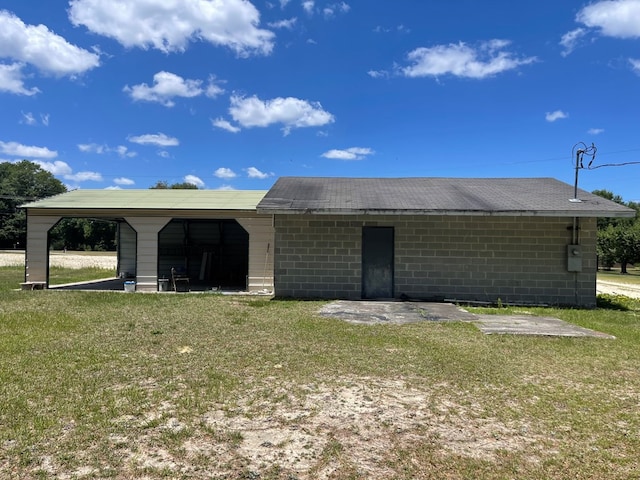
x: 60, y: 259
x: 615, y: 288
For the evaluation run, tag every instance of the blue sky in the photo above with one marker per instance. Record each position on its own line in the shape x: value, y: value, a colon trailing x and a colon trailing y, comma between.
x: 231, y: 94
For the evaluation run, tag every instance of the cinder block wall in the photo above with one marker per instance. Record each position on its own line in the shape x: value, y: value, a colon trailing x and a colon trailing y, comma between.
x: 519, y: 260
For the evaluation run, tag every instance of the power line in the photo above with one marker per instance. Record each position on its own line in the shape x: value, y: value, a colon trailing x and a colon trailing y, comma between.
x: 581, y: 149
x: 613, y: 165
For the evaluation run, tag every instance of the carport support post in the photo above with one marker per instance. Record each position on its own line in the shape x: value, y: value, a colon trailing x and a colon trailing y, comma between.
x: 147, y: 229
x: 261, y: 239
x: 36, y: 251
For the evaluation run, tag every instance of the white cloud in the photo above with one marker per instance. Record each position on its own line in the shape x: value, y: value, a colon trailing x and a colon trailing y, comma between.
x: 121, y: 150
x: 334, y: 8
x: 614, y: 18
x: 308, y: 6
x: 378, y: 73
x: 635, y: 65
x: 123, y: 181
x: 91, y: 148
x: 166, y: 85
x: 57, y: 167
x: 42, y: 48
x: 28, y: 118
x: 11, y: 80
x: 556, y: 115
x: 461, y: 60
x: 570, y: 40
x: 253, y: 172
x: 113, y: 187
x: 595, y: 131
x: 84, y: 177
x: 400, y: 29
x: 288, y: 23
x: 158, y: 139
x: 290, y: 112
x: 170, y: 26
x: 193, y: 180
x: 213, y: 90
x: 224, y: 172
x: 25, y: 151
x: 353, y: 153
x: 283, y: 3
x: 225, y: 188
x: 225, y: 125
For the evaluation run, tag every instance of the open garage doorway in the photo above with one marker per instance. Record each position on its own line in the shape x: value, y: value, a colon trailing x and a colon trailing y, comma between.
x: 82, y: 251
x: 214, y: 254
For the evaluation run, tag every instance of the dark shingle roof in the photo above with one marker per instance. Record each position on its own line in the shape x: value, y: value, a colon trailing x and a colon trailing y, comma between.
x: 435, y: 196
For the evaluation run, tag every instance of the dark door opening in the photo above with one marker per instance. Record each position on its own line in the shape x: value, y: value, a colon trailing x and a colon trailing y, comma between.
x: 211, y: 253
x: 377, y: 262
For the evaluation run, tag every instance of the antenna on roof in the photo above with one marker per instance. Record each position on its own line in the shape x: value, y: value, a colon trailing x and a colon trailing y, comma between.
x: 579, y: 150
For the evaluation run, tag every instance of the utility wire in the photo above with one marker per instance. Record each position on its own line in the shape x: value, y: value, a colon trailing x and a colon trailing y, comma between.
x: 577, y: 155
x: 613, y: 165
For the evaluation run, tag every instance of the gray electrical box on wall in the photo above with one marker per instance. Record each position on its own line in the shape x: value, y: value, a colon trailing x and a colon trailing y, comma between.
x: 574, y: 258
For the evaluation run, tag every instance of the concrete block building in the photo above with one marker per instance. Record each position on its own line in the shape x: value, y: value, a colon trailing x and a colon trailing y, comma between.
x: 514, y: 240
x: 523, y: 240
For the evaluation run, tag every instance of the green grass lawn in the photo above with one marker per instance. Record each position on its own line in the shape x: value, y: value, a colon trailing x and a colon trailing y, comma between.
x: 62, y: 276
x: 201, y: 386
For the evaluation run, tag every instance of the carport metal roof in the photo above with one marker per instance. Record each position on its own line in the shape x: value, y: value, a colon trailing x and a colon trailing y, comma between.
x: 152, y: 199
x: 435, y: 196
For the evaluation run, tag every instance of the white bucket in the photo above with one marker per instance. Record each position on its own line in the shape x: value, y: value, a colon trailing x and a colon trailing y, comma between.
x: 129, y: 286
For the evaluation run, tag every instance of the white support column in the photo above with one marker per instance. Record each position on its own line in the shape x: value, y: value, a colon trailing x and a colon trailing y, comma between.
x: 147, y: 229
x: 36, y: 254
x: 261, y: 237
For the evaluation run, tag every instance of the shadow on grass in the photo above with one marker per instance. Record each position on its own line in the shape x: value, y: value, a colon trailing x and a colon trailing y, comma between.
x: 617, y: 302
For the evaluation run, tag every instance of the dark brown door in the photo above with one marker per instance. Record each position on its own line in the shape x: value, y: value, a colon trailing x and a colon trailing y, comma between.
x: 377, y: 262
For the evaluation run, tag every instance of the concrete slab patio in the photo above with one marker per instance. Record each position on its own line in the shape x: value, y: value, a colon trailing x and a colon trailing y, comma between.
x: 392, y: 312
x: 532, y: 325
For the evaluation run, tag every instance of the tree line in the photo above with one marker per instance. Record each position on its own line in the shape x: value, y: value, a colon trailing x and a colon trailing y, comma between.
x: 618, y: 238
x: 25, y: 181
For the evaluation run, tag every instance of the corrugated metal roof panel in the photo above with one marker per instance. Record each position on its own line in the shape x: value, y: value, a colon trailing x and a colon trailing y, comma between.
x: 152, y: 199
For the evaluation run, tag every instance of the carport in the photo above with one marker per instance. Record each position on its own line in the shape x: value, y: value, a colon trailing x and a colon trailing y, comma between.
x: 216, y: 237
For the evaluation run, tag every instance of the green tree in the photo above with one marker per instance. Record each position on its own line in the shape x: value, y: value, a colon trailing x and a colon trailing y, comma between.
x: 619, y: 244
x: 22, y: 182
x: 604, y: 222
x: 163, y: 185
x: 618, y: 238
x: 84, y: 234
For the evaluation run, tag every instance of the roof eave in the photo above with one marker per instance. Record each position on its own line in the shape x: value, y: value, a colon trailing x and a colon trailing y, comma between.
x: 469, y: 213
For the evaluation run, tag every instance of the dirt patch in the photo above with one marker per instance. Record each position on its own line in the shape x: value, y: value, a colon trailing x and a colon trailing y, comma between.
x: 357, y: 423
